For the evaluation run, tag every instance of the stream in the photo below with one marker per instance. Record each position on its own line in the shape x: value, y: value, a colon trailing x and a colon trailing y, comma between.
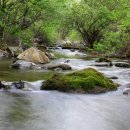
x: 52, y: 110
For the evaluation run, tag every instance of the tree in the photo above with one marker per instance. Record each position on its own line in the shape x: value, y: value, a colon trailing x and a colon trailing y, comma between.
x: 17, y: 15
x: 20, y: 17
x: 92, y: 18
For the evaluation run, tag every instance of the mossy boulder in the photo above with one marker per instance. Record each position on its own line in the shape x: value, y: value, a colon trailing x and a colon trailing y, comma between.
x: 84, y: 81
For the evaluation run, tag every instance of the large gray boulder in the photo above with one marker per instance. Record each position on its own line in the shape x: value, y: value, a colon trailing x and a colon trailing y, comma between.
x: 34, y: 55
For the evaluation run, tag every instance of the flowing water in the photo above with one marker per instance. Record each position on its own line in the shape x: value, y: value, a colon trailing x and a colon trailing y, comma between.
x: 52, y: 110
x: 9, y: 74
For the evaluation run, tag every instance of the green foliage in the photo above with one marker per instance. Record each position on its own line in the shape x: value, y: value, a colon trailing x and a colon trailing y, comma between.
x: 92, y: 19
x: 83, y: 81
x: 74, y: 36
x: 102, y: 24
x: 111, y: 42
x: 16, y: 16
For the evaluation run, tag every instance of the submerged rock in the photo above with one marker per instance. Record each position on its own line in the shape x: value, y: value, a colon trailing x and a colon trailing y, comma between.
x: 18, y: 85
x: 4, y: 86
x: 21, y: 85
x: 34, y: 55
x: 21, y: 64
x: 84, y: 81
x: 61, y: 66
x: 72, y: 50
x: 103, y: 60
x: 126, y: 91
x: 103, y: 64
x: 122, y: 64
x: 113, y: 77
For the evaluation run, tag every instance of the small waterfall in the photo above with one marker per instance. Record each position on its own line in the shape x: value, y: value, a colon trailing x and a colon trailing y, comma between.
x: 33, y: 85
x: 28, y: 86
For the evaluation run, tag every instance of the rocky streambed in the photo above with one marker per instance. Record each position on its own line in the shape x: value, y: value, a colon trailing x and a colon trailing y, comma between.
x: 53, y: 110
x: 26, y: 69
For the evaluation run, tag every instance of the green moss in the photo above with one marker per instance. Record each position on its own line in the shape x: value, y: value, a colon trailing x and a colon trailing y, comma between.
x: 83, y: 81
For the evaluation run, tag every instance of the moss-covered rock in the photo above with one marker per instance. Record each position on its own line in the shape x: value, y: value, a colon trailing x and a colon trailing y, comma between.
x: 84, y: 81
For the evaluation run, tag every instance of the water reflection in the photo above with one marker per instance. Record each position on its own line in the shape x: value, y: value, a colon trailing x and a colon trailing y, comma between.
x: 9, y: 74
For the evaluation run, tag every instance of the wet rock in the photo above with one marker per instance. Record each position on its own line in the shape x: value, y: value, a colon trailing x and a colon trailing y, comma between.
x: 67, y: 61
x: 34, y: 55
x: 50, y: 55
x: 6, y: 53
x: 62, y: 66
x: 58, y: 69
x: 72, y: 50
x: 9, y: 52
x: 113, y: 77
x: 84, y: 81
x: 103, y: 60
x: 18, y: 85
x: 4, y: 85
x: 24, y: 47
x: 22, y: 85
x: 126, y: 91
x: 56, y: 48
x: 103, y: 64
x: 17, y: 52
x: 21, y: 64
x: 122, y: 64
